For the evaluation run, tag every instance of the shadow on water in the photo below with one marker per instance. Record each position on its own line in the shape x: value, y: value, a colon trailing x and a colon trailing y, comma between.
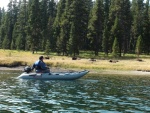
x: 99, y: 93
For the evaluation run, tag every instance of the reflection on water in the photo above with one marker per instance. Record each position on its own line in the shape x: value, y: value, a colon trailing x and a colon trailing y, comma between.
x: 95, y: 94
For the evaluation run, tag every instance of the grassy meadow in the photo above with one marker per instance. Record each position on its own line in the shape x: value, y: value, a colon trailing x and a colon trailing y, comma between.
x: 12, y: 58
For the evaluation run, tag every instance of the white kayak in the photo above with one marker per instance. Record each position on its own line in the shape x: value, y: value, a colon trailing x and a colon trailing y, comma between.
x: 53, y: 76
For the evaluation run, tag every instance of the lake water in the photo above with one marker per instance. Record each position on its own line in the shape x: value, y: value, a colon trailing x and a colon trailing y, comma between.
x: 90, y: 94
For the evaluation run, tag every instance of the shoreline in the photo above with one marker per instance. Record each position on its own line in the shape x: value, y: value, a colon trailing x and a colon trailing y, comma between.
x: 92, y: 71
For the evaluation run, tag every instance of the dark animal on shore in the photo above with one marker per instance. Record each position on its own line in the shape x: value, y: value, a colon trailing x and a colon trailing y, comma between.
x: 113, y: 61
x: 74, y: 58
x: 140, y: 60
x: 93, y: 60
x: 46, y: 57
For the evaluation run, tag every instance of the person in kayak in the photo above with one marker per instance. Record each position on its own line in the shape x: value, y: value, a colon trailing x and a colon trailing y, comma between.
x: 40, y: 66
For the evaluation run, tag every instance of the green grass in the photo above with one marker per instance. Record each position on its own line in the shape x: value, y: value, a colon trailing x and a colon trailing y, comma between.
x: 11, y: 58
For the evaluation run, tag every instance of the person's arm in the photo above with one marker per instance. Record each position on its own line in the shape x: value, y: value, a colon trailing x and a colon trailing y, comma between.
x: 33, y: 66
x: 43, y: 65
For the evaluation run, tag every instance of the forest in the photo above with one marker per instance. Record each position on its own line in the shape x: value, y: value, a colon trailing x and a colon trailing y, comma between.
x: 67, y: 27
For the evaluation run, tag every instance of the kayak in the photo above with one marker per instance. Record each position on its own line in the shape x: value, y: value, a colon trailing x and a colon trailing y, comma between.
x: 53, y: 76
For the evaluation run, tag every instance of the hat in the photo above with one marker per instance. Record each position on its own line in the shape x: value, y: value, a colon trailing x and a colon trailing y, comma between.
x: 41, y: 57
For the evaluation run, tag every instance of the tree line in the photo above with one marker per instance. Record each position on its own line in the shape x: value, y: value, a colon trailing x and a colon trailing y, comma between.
x: 68, y: 26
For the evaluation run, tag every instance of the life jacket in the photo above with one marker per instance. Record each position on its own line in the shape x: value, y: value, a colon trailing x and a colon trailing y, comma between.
x: 38, y: 66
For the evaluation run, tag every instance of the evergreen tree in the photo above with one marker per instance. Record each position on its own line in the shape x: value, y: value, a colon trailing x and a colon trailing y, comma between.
x: 52, y: 8
x: 44, y: 21
x: 76, y: 13
x: 57, y: 23
x: 126, y: 22
x: 8, y: 26
x: 50, y: 29
x: 86, y: 42
x: 6, y: 42
x: 96, y: 26
x: 2, y: 27
x: 13, y: 47
x: 66, y: 27
x: 139, y: 46
x: 12, y: 14
x: 83, y: 9
x: 117, y: 33
x: 4, y: 30
x: 34, y: 27
x: 50, y: 34
x: 47, y: 48
x: 106, y: 32
x: 137, y: 23
x: 19, y: 30
x: 79, y: 16
x: 105, y: 41
x: 115, y: 48
x: 146, y: 28
x: 73, y: 41
x: 19, y: 42
x: 64, y: 38
x: 106, y: 10
x: 0, y: 16
x: 121, y: 10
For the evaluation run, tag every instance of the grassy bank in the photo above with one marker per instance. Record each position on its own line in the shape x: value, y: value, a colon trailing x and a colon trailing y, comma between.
x: 20, y: 58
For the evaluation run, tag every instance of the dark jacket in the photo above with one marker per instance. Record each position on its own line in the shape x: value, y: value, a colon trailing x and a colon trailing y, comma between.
x: 39, y: 66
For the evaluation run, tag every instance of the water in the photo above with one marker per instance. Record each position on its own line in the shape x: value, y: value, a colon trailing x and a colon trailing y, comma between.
x: 90, y: 94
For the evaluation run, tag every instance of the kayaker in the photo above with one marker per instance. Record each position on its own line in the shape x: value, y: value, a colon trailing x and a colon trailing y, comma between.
x: 40, y: 66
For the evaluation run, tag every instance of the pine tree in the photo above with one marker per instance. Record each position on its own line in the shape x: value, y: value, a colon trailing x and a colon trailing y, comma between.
x: 62, y: 41
x: 79, y: 16
x: 4, y: 30
x: 95, y: 27
x: 106, y: 9
x: 139, y: 46
x: 121, y: 10
x: 64, y: 38
x: 146, y: 29
x: 105, y: 38
x: 10, y: 20
x: 0, y: 16
x: 19, y: 30
x: 126, y: 25
x: 52, y: 8
x: 12, y: 45
x: 50, y: 28
x: 73, y: 41
x: 34, y: 27
x: 137, y: 24
x: 117, y: 33
x: 44, y: 20
x: 13, y: 19
x: 47, y: 48
x: 50, y: 36
x: 83, y: 9
x: 2, y: 27
x: 6, y: 42
x: 115, y: 48
x: 19, y: 42
x: 57, y: 24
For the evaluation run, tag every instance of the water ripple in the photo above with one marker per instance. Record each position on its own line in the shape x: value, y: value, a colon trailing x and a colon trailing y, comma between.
x: 104, y: 94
